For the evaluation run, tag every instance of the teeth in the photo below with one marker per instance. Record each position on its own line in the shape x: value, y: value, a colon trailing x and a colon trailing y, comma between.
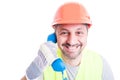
x: 71, y: 47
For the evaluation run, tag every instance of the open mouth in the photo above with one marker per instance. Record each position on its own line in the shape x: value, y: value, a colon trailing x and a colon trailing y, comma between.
x: 71, y: 48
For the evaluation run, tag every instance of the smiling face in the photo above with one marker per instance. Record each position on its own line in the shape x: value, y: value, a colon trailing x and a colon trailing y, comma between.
x: 71, y: 39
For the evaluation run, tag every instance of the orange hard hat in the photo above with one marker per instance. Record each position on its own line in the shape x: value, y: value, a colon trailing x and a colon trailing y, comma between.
x: 72, y: 13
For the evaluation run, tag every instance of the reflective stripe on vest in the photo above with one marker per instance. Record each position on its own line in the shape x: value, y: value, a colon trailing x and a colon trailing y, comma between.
x: 90, y: 68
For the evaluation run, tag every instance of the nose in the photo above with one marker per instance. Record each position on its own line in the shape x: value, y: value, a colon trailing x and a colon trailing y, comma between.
x: 72, y: 39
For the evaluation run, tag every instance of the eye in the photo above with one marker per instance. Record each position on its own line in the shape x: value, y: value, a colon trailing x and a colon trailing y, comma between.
x: 79, y: 32
x: 64, y: 33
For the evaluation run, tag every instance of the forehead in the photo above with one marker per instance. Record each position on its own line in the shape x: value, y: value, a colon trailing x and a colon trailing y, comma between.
x: 71, y: 27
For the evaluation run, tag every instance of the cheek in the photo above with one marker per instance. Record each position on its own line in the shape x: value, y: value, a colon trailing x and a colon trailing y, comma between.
x: 83, y: 40
x: 59, y: 42
x: 60, y: 39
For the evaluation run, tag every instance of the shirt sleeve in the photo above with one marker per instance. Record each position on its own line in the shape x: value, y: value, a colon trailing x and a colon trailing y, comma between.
x: 107, y: 71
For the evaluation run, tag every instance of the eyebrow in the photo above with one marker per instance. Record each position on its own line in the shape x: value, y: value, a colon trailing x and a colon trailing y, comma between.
x: 66, y: 29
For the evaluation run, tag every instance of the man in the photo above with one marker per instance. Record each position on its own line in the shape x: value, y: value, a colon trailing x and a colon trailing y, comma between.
x: 71, y: 24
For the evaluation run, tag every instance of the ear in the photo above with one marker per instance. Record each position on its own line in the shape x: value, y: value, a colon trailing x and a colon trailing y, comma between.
x: 52, y: 37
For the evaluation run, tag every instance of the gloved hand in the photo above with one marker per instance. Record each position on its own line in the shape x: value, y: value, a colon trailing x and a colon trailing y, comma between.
x: 46, y: 55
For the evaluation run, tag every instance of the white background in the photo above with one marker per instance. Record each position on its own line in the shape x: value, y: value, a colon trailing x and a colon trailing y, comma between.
x: 25, y: 24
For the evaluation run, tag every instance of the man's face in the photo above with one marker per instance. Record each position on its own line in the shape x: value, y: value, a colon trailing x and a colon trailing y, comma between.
x: 71, y: 39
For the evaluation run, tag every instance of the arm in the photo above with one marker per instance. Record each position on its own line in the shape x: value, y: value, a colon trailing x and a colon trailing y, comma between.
x: 107, y: 71
x: 24, y: 78
x: 46, y: 55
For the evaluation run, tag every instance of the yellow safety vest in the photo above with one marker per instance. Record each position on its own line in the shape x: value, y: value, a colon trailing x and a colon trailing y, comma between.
x: 89, y: 69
